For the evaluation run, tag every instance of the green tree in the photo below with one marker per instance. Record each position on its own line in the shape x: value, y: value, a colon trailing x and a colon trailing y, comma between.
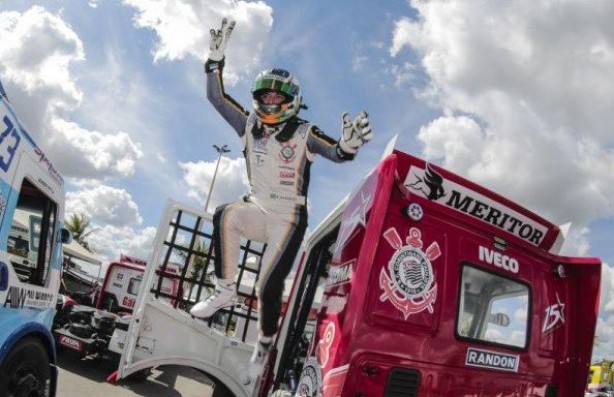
x: 79, y: 226
x: 196, y: 264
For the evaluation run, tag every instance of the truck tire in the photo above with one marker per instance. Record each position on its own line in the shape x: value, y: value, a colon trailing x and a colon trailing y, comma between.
x: 141, y: 376
x: 220, y: 390
x: 26, y: 372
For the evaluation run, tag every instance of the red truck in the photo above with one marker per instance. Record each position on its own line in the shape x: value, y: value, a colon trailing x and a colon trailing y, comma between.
x: 420, y: 283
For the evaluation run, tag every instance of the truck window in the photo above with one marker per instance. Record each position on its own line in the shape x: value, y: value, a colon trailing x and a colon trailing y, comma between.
x: 133, y: 286
x: 31, y: 240
x: 492, y: 308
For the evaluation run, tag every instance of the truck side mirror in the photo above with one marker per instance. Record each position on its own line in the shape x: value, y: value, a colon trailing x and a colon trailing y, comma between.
x: 500, y: 319
x: 65, y: 236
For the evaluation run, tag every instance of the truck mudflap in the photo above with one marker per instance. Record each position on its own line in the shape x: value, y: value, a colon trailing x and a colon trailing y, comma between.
x: 161, y: 330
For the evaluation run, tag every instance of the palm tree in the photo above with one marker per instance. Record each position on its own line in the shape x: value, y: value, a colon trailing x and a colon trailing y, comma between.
x: 78, y: 225
x: 196, y: 263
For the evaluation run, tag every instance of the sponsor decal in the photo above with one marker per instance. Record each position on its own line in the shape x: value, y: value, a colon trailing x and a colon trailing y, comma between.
x: 118, y: 285
x: 555, y: 316
x: 4, y: 276
x: 119, y: 276
x: 9, y: 142
x: 415, y: 212
x: 429, y: 184
x: 499, y: 260
x: 287, y: 153
x: 492, y: 360
x: 311, y: 379
x: 17, y: 298
x: 44, y: 183
x: 410, y: 284
x: 286, y: 183
x: 277, y: 196
x: 260, y: 145
x: 131, y: 259
x: 128, y: 302
x: 45, y: 162
x: 69, y: 342
x: 302, y: 131
x: 324, y: 344
x: 287, y: 174
x: 340, y: 274
x: 259, y: 160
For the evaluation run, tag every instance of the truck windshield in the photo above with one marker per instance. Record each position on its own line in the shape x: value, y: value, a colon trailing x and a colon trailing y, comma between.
x: 492, y: 308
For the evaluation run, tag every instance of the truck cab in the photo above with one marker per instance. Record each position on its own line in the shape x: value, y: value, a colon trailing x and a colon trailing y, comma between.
x: 31, y: 237
x: 435, y: 286
x: 420, y: 283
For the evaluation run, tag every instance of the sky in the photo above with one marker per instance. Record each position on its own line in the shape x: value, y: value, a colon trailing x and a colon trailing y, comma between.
x: 517, y: 96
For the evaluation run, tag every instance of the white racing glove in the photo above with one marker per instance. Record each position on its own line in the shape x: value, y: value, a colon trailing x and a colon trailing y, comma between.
x: 219, y: 38
x: 355, y: 133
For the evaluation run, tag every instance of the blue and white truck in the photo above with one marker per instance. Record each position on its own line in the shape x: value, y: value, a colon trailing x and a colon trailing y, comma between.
x: 31, y: 237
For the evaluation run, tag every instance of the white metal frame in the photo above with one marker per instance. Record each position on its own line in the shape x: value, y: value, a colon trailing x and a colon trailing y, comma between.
x: 159, y: 334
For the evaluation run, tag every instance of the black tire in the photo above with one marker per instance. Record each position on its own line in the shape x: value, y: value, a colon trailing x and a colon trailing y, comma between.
x: 220, y: 390
x: 140, y: 376
x: 26, y: 372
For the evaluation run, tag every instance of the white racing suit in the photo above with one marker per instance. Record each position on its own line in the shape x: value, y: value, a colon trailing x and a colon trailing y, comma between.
x: 278, y: 159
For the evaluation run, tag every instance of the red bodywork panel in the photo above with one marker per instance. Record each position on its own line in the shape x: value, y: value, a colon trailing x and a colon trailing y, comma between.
x: 421, y: 255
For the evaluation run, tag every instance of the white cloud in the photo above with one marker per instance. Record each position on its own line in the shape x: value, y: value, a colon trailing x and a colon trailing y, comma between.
x: 604, y: 346
x: 520, y: 315
x: 606, y: 305
x: 109, y: 242
x: 577, y: 242
x: 518, y: 338
x: 114, y: 220
x: 453, y: 139
x: 37, y: 50
x: 182, y: 27
x: 231, y: 182
x: 104, y: 205
x: 37, y: 53
x: 494, y: 335
x: 535, y: 78
x: 404, y: 75
x: 91, y: 154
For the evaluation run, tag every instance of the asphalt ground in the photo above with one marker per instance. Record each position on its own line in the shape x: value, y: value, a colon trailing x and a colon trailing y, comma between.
x: 86, y: 377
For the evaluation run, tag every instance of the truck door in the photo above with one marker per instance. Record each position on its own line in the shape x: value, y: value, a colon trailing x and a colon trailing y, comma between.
x: 517, y: 318
x: 34, y: 216
x: 568, y: 312
x: 162, y: 332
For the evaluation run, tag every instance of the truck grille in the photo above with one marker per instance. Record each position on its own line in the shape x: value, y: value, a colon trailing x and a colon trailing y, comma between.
x: 402, y: 383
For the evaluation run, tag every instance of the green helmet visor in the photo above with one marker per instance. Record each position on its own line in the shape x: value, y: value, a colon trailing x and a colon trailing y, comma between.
x: 287, y: 89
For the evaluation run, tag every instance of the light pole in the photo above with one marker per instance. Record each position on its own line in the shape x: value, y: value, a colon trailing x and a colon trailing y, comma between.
x: 220, y: 151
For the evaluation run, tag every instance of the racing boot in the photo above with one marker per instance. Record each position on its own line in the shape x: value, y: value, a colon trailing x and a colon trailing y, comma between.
x: 260, y: 356
x: 225, y: 295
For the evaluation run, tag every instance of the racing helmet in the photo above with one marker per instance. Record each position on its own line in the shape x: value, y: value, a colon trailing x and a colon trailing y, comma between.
x: 282, y: 83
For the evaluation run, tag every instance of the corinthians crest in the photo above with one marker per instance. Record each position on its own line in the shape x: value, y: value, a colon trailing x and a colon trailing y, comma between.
x: 409, y: 283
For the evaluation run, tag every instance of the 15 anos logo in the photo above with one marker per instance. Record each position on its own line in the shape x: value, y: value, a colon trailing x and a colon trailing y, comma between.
x: 409, y: 283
